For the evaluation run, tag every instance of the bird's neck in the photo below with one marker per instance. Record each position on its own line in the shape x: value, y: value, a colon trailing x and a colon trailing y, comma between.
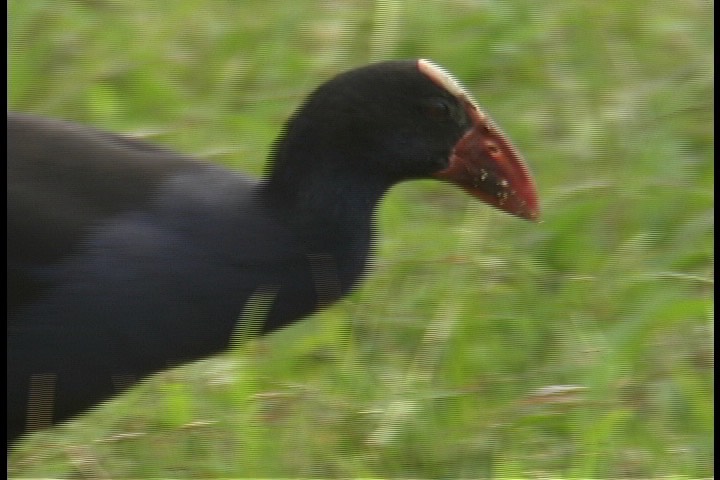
x: 330, y: 209
x: 331, y: 202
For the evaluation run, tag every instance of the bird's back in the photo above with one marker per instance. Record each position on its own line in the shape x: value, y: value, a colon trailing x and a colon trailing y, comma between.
x: 63, y: 180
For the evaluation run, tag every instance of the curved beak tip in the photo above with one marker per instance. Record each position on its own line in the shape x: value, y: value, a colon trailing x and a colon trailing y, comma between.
x: 498, y: 176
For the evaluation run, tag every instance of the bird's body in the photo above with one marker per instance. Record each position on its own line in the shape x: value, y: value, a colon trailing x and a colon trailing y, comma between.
x: 157, y: 279
x: 125, y: 259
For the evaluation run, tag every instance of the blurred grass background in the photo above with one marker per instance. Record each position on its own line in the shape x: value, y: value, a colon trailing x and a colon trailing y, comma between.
x: 480, y: 345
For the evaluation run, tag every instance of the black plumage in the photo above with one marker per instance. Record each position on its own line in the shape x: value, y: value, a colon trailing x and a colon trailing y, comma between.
x: 125, y: 258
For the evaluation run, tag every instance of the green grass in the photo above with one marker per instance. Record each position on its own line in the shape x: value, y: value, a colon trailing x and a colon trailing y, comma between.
x: 433, y: 368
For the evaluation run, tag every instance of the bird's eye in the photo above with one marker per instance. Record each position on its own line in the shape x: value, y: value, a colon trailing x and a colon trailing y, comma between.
x: 438, y: 108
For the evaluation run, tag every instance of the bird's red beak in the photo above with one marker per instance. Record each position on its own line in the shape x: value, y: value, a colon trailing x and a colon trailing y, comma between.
x: 484, y: 162
x: 486, y: 165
